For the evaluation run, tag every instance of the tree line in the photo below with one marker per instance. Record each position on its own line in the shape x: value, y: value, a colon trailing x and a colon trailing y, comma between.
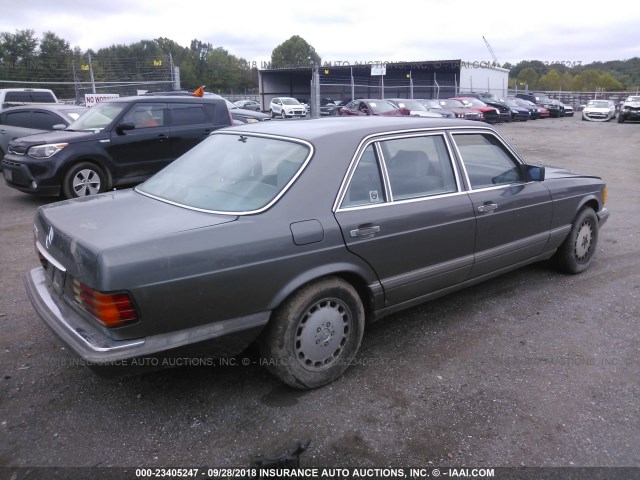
x: 611, y: 76
x: 26, y: 58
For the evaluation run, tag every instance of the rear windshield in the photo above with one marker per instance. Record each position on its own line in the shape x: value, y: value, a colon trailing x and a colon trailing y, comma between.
x: 230, y: 173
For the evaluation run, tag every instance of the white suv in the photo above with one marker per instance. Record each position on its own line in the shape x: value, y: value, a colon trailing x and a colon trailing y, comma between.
x: 286, y: 107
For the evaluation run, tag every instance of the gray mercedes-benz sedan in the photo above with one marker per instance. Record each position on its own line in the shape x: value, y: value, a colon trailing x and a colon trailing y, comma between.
x: 294, y: 235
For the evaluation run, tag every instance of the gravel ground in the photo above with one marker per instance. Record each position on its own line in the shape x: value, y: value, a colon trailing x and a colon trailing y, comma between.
x: 534, y: 368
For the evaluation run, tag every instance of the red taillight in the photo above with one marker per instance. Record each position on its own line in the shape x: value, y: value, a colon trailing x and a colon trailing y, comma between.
x: 111, y: 309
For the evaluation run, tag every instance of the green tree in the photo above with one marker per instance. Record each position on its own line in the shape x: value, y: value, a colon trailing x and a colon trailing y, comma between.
x: 529, y: 77
x: 295, y: 52
x: 17, y: 55
x: 550, y: 81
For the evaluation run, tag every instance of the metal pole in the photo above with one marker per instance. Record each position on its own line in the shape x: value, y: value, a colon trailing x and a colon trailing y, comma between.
x: 93, y: 83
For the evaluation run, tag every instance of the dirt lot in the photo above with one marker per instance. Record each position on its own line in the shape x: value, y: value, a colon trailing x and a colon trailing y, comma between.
x: 534, y: 368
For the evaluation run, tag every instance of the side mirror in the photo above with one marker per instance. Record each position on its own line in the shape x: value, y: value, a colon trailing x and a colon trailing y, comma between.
x: 122, y: 126
x: 533, y: 173
x: 59, y: 126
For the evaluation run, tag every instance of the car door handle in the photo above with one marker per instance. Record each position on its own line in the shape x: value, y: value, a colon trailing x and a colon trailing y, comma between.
x: 365, y: 231
x: 487, y: 207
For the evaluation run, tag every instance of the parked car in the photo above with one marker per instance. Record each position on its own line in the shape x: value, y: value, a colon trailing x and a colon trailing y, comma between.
x: 599, y: 111
x: 238, y: 115
x: 630, y: 109
x: 35, y: 118
x: 286, y: 107
x: 12, y: 97
x: 460, y: 110
x: 518, y: 113
x: 544, y: 113
x: 562, y: 107
x: 290, y: 235
x: 121, y: 141
x: 434, y: 106
x: 504, y: 112
x: 306, y: 104
x: 568, y: 110
x: 243, y: 115
x: 372, y: 106
x: 541, y: 99
x: 534, y: 110
x: 416, y: 108
x: 248, y: 105
x: 490, y: 114
x: 328, y: 107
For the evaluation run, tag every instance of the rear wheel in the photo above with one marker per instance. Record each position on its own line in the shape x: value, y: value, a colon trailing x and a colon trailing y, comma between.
x: 314, y: 335
x: 84, y: 179
x: 620, y: 118
x: 576, y: 252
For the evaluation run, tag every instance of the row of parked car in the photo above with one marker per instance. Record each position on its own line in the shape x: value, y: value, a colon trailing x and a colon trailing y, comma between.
x: 60, y: 149
x: 467, y: 105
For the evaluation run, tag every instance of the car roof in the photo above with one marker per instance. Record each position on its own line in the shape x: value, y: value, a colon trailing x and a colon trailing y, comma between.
x: 164, y: 99
x: 360, y: 127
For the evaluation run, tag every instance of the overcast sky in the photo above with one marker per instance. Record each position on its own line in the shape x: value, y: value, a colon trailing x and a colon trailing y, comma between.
x: 348, y: 30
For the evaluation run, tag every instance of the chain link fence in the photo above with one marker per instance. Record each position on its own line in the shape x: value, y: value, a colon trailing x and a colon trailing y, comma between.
x: 71, y: 77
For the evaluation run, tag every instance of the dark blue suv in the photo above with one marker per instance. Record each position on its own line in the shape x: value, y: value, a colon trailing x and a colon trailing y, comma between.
x: 118, y: 142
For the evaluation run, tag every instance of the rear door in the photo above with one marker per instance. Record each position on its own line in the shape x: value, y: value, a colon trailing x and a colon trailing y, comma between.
x: 404, y: 213
x: 190, y: 123
x: 513, y: 215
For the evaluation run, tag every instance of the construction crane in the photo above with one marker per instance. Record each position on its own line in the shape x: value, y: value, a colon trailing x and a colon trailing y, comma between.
x: 495, y: 59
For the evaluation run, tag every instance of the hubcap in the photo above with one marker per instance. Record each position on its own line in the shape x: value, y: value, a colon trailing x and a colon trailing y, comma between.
x: 322, y: 333
x: 583, y: 240
x: 86, y: 182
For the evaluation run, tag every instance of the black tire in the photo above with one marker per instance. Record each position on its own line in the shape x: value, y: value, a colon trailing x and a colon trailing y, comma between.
x: 313, y: 336
x: 84, y: 179
x: 273, y: 115
x: 283, y: 115
x: 620, y: 118
x: 577, y: 250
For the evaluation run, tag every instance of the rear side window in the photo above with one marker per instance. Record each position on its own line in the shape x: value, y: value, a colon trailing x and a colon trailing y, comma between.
x: 365, y: 187
x: 17, y: 119
x: 418, y: 167
x: 188, y: 114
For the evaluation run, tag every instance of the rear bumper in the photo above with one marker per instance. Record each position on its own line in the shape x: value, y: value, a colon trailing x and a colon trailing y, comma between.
x: 123, y: 357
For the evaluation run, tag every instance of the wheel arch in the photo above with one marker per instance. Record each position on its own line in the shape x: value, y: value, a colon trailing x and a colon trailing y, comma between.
x: 354, y: 275
x: 590, y: 201
x: 95, y: 161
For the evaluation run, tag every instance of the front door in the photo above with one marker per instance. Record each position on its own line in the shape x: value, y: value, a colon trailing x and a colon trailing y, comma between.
x: 513, y: 215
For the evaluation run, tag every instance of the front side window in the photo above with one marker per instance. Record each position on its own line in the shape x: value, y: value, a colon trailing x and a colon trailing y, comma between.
x: 487, y: 161
x: 146, y: 115
x: 229, y: 173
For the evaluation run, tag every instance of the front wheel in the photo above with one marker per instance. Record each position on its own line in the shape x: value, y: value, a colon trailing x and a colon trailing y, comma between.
x: 282, y: 114
x: 314, y: 335
x: 576, y: 252
x: 84, y: 179
x: 620, y: 118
